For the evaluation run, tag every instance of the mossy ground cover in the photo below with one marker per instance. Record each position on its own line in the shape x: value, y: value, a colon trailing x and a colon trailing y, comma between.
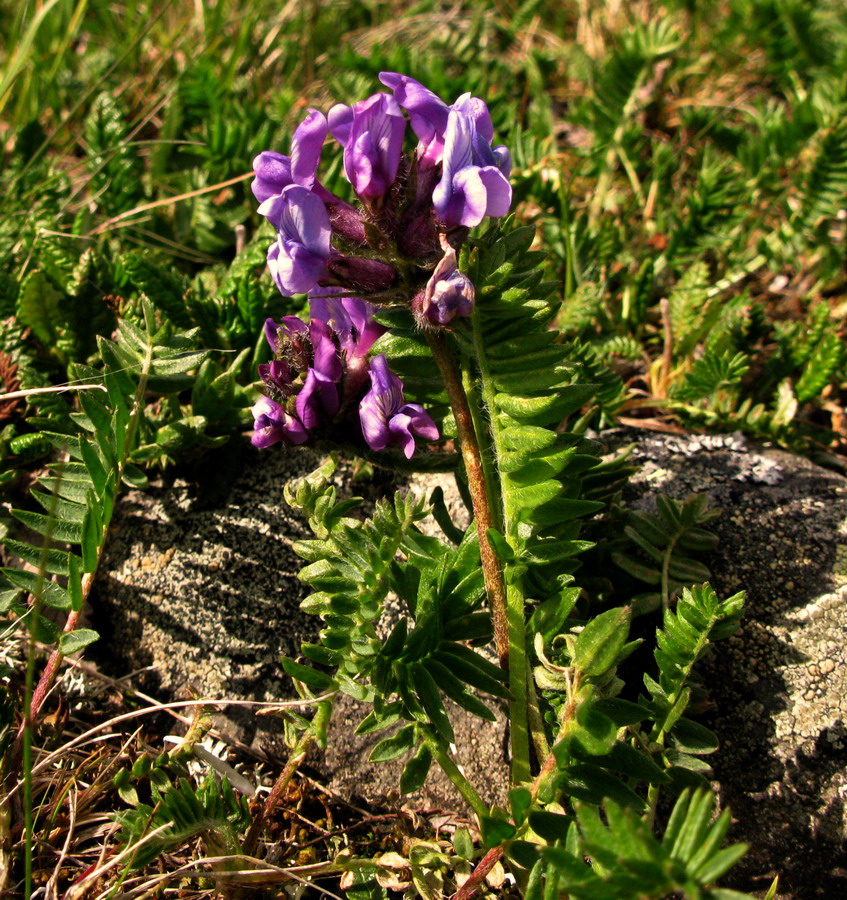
x: 684, y: 164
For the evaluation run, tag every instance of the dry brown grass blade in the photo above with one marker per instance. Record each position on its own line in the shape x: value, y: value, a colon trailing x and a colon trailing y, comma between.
x: 262, y: 873
x: 51, y: 891
x: 79, y: 890
x: 94, y: 734
x: 166, y: 201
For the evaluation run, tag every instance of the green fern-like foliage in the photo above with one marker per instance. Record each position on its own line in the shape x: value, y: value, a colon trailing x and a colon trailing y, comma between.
x: 715, y: 206
x: 815, y: 348
x: 159, y: 280
x: 407, y: 674
x: 609, y: 389
x: 798, y: 38
x: 699, y: 619
x: 115, y: 167
x: 627, y: 860
x: 592, y: 753
x: 618, y: 754
x: 711, y: 373
x: 78, y: 496
x: 530, y: 387
x: 526, y: 389
x: 615, y: 94
x: 659, y: 549
x: 822, y: 194
x: 212, y: 811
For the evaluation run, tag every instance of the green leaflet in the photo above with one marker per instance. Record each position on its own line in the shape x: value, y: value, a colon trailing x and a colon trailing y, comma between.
x: 415, y: 771
x: 630, y: 860
x: 77, y: 640
x: 396, y: 745
x: 50, y: 593
x: 599, y: 644
x: 57, y: 528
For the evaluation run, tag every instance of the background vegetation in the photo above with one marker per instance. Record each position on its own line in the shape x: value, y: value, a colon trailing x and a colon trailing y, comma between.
x: 685, y: 164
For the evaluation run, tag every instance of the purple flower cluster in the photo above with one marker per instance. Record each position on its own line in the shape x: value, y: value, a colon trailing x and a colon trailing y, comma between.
x: 319, y: 378
x: 396, y: 246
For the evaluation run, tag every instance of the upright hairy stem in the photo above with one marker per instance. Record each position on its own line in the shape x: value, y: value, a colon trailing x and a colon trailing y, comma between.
x: 507, y: 602
x: 520, y: 676
x: 492, y: 569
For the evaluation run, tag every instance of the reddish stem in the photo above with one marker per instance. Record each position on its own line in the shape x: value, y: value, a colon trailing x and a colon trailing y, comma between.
x: 491, y: 568
x: 486, y: 864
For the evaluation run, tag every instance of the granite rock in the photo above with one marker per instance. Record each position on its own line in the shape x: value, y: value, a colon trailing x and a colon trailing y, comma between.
x: 779, y: 685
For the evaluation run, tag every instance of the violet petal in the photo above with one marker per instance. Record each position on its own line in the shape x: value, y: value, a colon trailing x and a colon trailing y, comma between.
x: 273, y: 173
x: 317, y: 401
x: 306, y: 146
x: 385, y: 418
x: 272, y: 425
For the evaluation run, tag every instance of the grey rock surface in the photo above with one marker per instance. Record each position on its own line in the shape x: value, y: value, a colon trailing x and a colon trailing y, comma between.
x: 200, y: 583
x: 779, y: 685
x: 199, y: 587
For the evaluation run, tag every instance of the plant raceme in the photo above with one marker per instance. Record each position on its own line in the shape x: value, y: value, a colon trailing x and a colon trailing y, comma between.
x: 396, y: 247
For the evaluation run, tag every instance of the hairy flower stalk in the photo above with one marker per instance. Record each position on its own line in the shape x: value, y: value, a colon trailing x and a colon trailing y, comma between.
x: 491, y: 566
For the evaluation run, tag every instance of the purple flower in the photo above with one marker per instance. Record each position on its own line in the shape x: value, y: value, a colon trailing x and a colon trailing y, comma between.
x: 278, y: 376
x: 429, y: 115
x: 449, y: 293
x: 298, y: 260
x: 274, y: 172
x: 317, y: 401
x: 427, y: 112
x: 326, y: 359
x: 371, y: 133
x: 350, y: 318
x: 386, y: 419
x: 289, y: 325
x: 474, y: 181
x: 272, y: 424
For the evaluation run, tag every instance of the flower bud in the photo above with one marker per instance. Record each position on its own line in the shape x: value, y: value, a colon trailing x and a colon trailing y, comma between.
x: 365, y: 276
x: 449, y: 293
